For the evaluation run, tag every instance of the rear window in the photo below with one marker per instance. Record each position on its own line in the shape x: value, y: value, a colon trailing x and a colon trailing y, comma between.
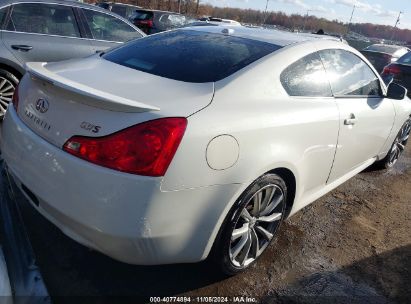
x: 190, y: 56
x: 389, y: 49
x: 172, y: 20
x: 378, y: 60
x: 142, y: 15
x: 400, y: 53
x: 406, y: 59
x: 103, y: 5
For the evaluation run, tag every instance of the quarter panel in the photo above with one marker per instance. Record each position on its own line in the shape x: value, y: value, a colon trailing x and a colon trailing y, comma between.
x: 272, y: 129
x: 402, y: 113
x: 123, y: 215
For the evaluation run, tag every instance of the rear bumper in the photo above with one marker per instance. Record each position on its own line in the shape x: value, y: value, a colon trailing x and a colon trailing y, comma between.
x: 124, y: 216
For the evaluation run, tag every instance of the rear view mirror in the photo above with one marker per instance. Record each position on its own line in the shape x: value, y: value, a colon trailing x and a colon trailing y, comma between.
x: 396, y: 91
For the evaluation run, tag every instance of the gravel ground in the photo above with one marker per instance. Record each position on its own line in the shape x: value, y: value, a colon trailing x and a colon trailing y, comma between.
x: 353, y: 245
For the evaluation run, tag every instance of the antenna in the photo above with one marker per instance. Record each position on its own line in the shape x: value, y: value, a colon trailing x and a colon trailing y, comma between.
x: 352, y: 14
x: 395, y: 26
x: 305, y: 19
x: 265, y: 12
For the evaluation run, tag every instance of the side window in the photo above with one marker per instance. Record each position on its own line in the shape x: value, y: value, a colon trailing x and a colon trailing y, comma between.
x: 3, y: 13
x: 306, y: 77
x: 349, y: 74
x: 107, y: 27
x: 119, y: 10
x: 130, y: 11
x: 47, y: 19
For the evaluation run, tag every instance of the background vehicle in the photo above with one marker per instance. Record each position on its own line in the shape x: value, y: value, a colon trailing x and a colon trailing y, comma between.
x: 214, y: 20
x: 154, y: 21
x: 122, y: 9
x: 200, y: 23
x: 247, y: 129
x: 400, y: 72
x: 42, y: 30
x: 382, y: 54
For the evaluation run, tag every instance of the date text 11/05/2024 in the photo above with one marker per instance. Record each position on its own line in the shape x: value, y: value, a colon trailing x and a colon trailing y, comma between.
x: 239, y: 299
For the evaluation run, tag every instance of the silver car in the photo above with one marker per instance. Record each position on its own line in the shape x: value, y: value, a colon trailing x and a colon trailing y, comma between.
x: 43, y: 30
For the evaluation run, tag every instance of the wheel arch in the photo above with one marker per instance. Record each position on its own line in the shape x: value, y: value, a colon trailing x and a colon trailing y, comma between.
x: 291, y: 182
x: 15, y: 71
x: 289, y: 178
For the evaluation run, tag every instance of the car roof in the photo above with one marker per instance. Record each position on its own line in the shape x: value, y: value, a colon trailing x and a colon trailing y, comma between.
x: 67, y: 2
x: 115, y: 3
x: 157, y: 11
x: 273, y: 36
x: 384, y: 48
x: 201, y: 23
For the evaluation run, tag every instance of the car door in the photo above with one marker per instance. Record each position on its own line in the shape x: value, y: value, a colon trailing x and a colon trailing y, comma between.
x: 366, y: 117
x: 44, y: 32
x: 314, y: 121
x: 107, y: 30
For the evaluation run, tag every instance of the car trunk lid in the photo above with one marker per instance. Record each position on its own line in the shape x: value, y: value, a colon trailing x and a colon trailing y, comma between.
x: 95, y: 97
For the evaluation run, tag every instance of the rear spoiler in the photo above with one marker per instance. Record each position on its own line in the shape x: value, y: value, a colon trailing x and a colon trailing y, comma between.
x: 95, y: 98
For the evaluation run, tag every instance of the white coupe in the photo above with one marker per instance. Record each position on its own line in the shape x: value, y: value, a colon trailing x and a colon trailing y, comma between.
x: 197, y: 142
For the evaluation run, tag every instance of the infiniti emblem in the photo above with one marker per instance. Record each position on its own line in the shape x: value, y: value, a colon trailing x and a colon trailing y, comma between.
x: 42, y: 105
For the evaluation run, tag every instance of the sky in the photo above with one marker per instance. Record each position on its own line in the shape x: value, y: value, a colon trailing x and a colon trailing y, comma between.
x: 373, y: 11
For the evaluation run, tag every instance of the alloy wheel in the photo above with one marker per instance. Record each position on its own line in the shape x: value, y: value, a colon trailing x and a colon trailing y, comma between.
x: 399, y: 143
x: 256, y: 225
x: 6, y: 94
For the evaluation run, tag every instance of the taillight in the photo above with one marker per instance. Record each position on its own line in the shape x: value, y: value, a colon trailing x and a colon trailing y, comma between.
x: 143, y: 149
x: 15, y: 99
x: 391, y: 69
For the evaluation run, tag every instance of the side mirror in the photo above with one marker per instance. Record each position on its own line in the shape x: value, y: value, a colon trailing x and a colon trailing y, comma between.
x: 396, y: 91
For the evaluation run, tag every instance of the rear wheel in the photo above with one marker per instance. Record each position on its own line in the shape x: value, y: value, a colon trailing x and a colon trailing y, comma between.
x: 8, y: 83
x: 252, y: 224
x: 397, y: 147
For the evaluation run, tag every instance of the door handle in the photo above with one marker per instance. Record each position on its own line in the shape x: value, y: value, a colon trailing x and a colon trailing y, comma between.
x: 23, y: 48
x: 350, y: 121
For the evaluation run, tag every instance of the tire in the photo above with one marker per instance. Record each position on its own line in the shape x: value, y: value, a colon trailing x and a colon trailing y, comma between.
x: 397, y: 147
x: 8, y: 83
x: 235, y: 250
